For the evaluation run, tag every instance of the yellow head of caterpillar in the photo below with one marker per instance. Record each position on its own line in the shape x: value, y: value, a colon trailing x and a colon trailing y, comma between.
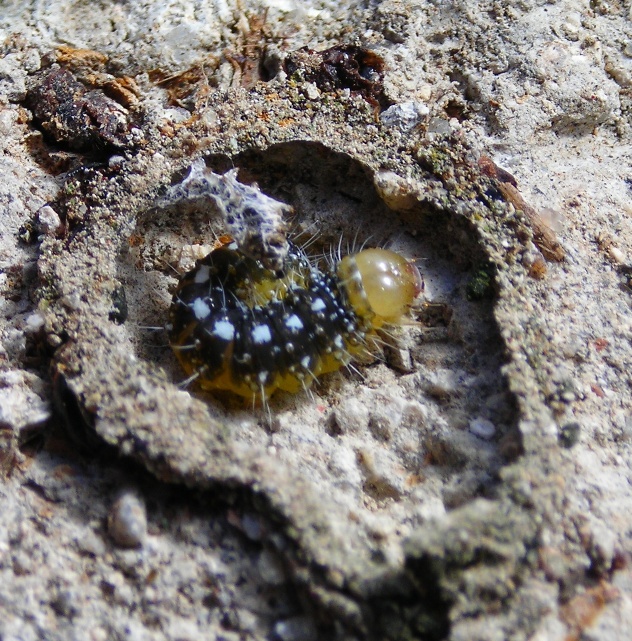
x: 380, y: 284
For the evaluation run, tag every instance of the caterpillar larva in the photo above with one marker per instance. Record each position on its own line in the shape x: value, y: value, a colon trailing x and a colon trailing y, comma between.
x: 236, y: 325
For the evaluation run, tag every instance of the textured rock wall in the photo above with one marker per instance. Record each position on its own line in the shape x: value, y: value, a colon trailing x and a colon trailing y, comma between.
x: 472, y: 482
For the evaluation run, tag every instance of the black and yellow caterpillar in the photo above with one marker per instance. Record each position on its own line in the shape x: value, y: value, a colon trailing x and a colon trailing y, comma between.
x: 236, y: 325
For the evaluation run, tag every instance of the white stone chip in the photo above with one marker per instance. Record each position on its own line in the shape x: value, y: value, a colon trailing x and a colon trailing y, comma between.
x: 482, y: 428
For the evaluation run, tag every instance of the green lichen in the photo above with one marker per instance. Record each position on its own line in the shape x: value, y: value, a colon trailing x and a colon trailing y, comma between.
x: 480, y: 285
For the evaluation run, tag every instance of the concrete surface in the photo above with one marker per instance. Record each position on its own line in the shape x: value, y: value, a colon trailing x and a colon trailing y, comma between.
x: 471, y: 483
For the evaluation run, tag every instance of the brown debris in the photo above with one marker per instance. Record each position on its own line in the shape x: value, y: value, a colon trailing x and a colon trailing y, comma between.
x: 90, y: 68
x: 250, y: 59
x: 80, y: 59
x: 124, y: 90
x: 491, y: 169
x: 582, y: 611
x: 543, y: 236
x: 79, y: 118
x: 601, y: 344
x: 187, y: 89
x: 536, y: 266
x: 341, y: 67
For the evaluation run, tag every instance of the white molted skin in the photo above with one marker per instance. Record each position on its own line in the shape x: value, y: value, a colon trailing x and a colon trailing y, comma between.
x: 256, y: 221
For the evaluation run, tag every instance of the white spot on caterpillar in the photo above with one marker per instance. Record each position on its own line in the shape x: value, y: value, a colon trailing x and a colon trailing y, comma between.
x: 318, y: 305
x: 261, y: 334
x: 201, y: 309
x: 203, y: 275
x: 294, y: 322
x: 224, y: 330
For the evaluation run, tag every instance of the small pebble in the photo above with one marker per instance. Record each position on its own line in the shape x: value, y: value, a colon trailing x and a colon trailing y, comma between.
x: 127, y: 520
x: 399, y: 358
x: 270, y: 568
x: 443, y: 383
x: 405, y: 115
x: 395, y: 191
x: 33, y: 323
x: 191, y: 253
x: 616, y: 255
x: 312, y: 91
x: 48, y: 221
x: 569, y: 434
x: 439, y: 126
x: 116, y: 162
x: 251, y: 526
x: 482, y: 428
x: 295, y: 629
x: 24, y: 403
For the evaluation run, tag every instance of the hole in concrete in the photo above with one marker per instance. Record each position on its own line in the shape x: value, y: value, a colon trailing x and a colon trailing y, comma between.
x: 410, y: 435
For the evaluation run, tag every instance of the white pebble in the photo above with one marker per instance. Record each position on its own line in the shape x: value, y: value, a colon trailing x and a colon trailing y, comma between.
x: 24, y: 402
x: 33, y: 323
x: 48, y: 220
x: 482, y: 428
x: 444, y: 382
x: 405, y: 115
x: 296, y: 629
x: 616, y: 255
x: 312, y: 91
x: 127, y: 521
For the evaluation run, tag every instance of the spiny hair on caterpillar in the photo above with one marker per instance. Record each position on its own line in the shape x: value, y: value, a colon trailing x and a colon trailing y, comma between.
x: 236, y: 325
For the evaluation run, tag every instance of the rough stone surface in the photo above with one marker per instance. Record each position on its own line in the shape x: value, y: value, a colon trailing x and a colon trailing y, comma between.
x: 382, y: 505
